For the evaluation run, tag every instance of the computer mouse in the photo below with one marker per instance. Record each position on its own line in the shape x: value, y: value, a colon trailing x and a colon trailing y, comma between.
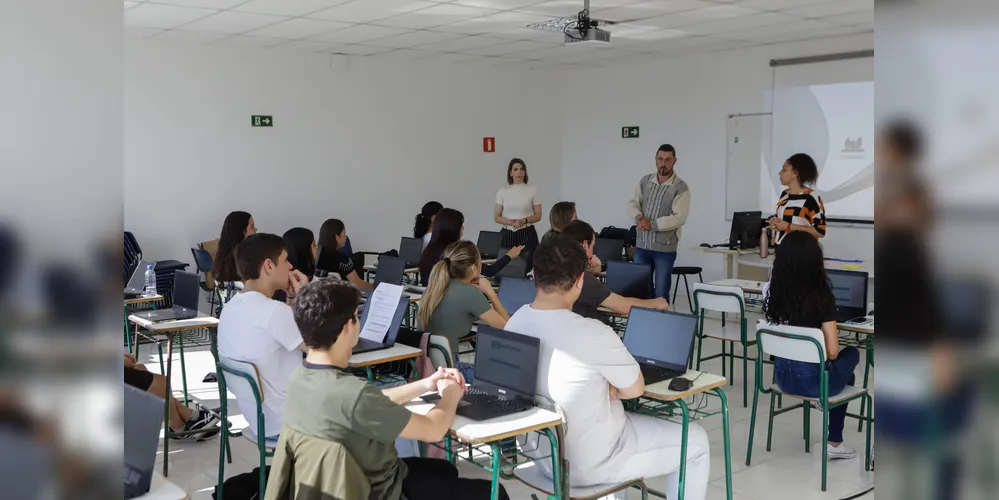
x: 705, y: 245
x: 680, y: 385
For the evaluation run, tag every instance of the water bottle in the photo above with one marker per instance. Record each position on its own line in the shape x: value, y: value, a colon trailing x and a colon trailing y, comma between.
x: 150, y: 281
x: 764, y: 244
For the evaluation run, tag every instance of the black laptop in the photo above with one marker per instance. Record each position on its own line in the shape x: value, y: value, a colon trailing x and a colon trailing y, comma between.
x: 489, y: 244
x: 410, y: 250
x: 608, y: 249
x: 628, y: 279
x: 515, y: 293
x: 389, y: 270
x: 185, y: 299
x: 387, y: 340
x: 516, y: 268
x: 143, y: 421
x: 661, y: 341
x: 137, y: 283
x: 849, y: 288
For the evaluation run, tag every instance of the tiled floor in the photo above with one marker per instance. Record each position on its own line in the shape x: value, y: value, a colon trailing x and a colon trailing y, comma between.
x: 786, y: 472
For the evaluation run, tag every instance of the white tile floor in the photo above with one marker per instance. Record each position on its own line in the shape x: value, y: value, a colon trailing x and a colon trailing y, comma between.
x: 786, y: 472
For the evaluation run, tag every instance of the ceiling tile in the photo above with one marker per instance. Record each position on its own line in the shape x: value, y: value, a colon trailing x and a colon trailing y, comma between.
x: 698, y: 16
x: 856, y: 18
x: 502, y: 21
x: 499, y: 4
x: 206, y: 4
x: 435, y: 16
x: 570, y: 8
x: 370, y: 10
x: 287, y: 7
x: 831, y: 8
x: 412, y: 39
x: 506, y: 49
x: 779, y: 4
x: 552, y: 52
x: 573, y: 56
x: 232, y: 22
x: 359, y: 50
x: 738, y: 23
x: 651, y: 9
x: 162, y: 16
x: 780, y: 37
x: 298, y: 28
x: 189, y: 36
x: 403, y: 54
x: 136, y: 33
x: 129, y: 5
x: 450, y: 58
x: 303, y: 46
x: 246, y: 41
x: 359, y: 34
x: 463, y: 43
x: 627, y: 33
x: 528, y: 34
x: 768, y: 31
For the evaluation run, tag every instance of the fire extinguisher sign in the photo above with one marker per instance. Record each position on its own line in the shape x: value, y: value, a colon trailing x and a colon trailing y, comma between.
x: 488, y: 144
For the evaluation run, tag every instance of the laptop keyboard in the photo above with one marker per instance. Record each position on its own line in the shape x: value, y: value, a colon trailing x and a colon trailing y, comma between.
x: 480, y: 398
x: 655, y: 374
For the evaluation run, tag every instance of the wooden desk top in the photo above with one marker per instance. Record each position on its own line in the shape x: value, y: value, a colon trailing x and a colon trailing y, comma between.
x: 494, y: 429
x: 746, y: 285
x: 707, y: 381
x: 201, y: 321
x: 163, y: 489
x: 397, y: 352
x: 143, y: 300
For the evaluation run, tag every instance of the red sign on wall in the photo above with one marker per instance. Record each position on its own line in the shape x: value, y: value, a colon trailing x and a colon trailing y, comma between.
x: 488, y: 144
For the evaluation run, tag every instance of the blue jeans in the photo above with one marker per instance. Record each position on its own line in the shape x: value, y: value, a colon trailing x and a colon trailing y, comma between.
x: 662, y: 269
x: 794, y: 377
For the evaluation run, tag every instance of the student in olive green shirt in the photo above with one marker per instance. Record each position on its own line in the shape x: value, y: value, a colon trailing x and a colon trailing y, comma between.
x: 326, y: 401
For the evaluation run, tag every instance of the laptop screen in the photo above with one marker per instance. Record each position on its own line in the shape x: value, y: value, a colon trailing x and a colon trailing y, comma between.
x: 607, y: 249
x: 629, y: 280
x: 138, y: 279
x: 516, y: 268
x: 507, y: 360
x: 390, y: 270
x: 143, y: 421
x: 662, y: 338
x: 393, y: 329
x: 515, y: 293
x: 410, y: 249
x: 185, y: 289
x: 849, y: 288
x: 489, y: 242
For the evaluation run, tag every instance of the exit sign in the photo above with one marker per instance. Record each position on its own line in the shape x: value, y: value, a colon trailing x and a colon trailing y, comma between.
x: 262, y: 120
x: 629, y: 132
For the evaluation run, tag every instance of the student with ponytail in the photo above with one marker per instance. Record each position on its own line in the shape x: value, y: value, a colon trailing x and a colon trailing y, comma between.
x: 457, y: 295
x: 425, y: 221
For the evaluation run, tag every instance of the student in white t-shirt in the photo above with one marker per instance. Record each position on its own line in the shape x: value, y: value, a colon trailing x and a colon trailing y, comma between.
x: 257, y: 329
x: 586, y: 370
x: 517, y: 209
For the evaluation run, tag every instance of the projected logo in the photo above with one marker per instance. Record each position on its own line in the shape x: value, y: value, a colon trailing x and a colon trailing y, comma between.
x: 854, y: 145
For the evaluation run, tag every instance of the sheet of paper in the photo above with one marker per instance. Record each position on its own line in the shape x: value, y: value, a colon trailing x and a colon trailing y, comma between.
x: 380, y: 311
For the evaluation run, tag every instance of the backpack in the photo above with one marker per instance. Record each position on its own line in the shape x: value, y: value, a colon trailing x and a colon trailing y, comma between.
x: 614, y: 233
x: 245, y: 486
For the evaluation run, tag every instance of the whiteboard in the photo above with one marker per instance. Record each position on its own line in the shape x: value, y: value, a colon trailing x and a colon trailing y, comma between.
x: 747, y: 142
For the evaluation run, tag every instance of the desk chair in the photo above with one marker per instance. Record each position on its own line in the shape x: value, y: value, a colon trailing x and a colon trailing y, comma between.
x: 724, y: 299
x: 439, y: 351
x: 806, y: 345
x: 203, y: 263
x: 684, y: 271
x: 243, y: 378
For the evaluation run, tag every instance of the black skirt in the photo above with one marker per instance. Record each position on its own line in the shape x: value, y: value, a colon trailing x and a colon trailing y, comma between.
x: 527, y: 236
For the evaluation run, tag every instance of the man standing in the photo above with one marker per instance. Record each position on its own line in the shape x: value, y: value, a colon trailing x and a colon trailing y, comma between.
x: 660, y: 207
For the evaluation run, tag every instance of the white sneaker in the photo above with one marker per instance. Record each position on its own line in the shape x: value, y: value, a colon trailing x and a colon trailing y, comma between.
x: 840, y: 452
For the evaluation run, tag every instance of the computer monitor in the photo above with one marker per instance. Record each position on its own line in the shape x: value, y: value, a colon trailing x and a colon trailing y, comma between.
x: 607, y: 249
x: 515, y: 293
x: 185, y: 289
x: 628, y: 279
x: 849, y: 288
x: 489, y: 244
x: 389, y: 270
x: 745, y: 232
x: 661, y: 338
x: 410, y: 250
x: 507, y: 361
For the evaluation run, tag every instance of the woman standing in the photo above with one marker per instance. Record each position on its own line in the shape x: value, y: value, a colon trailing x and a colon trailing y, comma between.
x: 518, y: 208
x: 425, y: 221
x: 800, y: 207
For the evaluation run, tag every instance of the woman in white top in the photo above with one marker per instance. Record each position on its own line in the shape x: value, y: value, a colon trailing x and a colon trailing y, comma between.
x: 518, y: 208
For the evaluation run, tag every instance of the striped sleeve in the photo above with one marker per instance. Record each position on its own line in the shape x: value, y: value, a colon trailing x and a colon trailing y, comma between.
x: 819, y: 213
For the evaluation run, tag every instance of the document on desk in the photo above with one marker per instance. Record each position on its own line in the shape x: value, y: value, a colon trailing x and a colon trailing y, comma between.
x: 379, y: 311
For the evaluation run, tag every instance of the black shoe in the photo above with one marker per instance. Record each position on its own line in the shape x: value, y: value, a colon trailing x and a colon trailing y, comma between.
x: 204, y: 419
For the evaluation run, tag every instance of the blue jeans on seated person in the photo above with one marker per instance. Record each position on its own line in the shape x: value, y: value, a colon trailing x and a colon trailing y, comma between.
x: 662, y: 269
x: 803, y: 379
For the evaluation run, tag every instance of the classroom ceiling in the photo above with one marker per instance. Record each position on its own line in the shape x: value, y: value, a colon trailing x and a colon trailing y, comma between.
x: 494, y: 32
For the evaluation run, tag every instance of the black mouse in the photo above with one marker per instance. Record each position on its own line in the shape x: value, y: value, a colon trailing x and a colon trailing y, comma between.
x: 705, y: 245
x: 680, y: 385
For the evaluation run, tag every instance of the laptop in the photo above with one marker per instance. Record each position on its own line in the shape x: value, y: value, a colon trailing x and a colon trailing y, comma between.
x: 489, y: 244
x: 137, y: 283
x: 185, y: 299
x: 515, y: 293
x: 628, y: 279
x: 389, y: 270
x: 506, y: 375
x: 607, y: 249
x: 370, y: 344
x: 516, y: 268
x: 849, y: 288
x: 661, y: 341
x: 143, y: 421
x: 410, y: 250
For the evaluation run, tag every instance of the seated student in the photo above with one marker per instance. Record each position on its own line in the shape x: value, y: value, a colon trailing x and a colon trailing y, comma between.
x: 800, y: 295
x: 255, y: 329
x: 237, y: 225
x: 457, y: 296
x: 302, y: 250
x: 332, y: 238
x: 328, y: 402
x: 586, y: 370
x: 449, y: 226
x: 425, y: 221
x: 561, y: 214
x: 595, y: 293
x: 182, y: 418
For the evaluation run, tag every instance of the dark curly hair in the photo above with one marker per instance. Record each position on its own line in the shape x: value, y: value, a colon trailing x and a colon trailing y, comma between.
x: 808, y: 171
x: 558, y: 262
x: 799, y: 288
x: 322, y: 308
x: 233, y: 229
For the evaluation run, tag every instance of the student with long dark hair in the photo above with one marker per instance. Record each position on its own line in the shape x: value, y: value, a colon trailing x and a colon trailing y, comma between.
x: 332, y: 238
x: 518, y: 208
x: 800, y: 295
x: 302, y: 250
x: 423, y: 228
x: 237, y: 226
x: 449, y: 226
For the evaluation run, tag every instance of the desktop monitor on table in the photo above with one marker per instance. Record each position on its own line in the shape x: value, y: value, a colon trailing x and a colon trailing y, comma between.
x: 745, y: 232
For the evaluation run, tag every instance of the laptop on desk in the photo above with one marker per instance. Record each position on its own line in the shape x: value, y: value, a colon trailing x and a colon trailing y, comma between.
x: 661, y: 341
x: 489, y: 244
x: 375, y: 340
x: 607, y: 249
x: 515, y: 293
x: 410, y: 250
x: 185, y: 299
x: 849, y: 288
x: 143, y: 421
x: 137, y: 283
x: 389, y: 270
x: 516, y: 268
x: 628, y: 279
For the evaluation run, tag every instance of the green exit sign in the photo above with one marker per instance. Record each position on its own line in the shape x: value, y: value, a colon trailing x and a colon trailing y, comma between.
x: 629, y: 132
x: 262, y: 120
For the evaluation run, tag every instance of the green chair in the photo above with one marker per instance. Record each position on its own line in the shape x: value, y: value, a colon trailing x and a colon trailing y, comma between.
x: 439, y: 351
x: 724, y: 299
x: 242, y: 378
x: 805, y: 345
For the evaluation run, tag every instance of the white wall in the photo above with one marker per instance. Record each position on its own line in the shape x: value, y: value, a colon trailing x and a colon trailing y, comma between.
x: 369, y: 144
x: 684, y: 102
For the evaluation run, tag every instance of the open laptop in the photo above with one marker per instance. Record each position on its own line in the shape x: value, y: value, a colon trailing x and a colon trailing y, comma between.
x: 516, y: 268
x: 410, y: 250
x: 389, y: 270
x: 506, y: 375
x: 850, y: 291
x: 489, y: 244
x: 185, y: 299
x: 137, y: 283
x: 515, y: 293
x: 628, y: 279
x: 661, y: 341
x: 143, y: 420
x: 377, y: 344
x: 607, y: 249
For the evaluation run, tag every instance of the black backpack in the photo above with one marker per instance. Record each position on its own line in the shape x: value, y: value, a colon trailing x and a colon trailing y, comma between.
x: 245, y: 486
x: 615, y: 233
